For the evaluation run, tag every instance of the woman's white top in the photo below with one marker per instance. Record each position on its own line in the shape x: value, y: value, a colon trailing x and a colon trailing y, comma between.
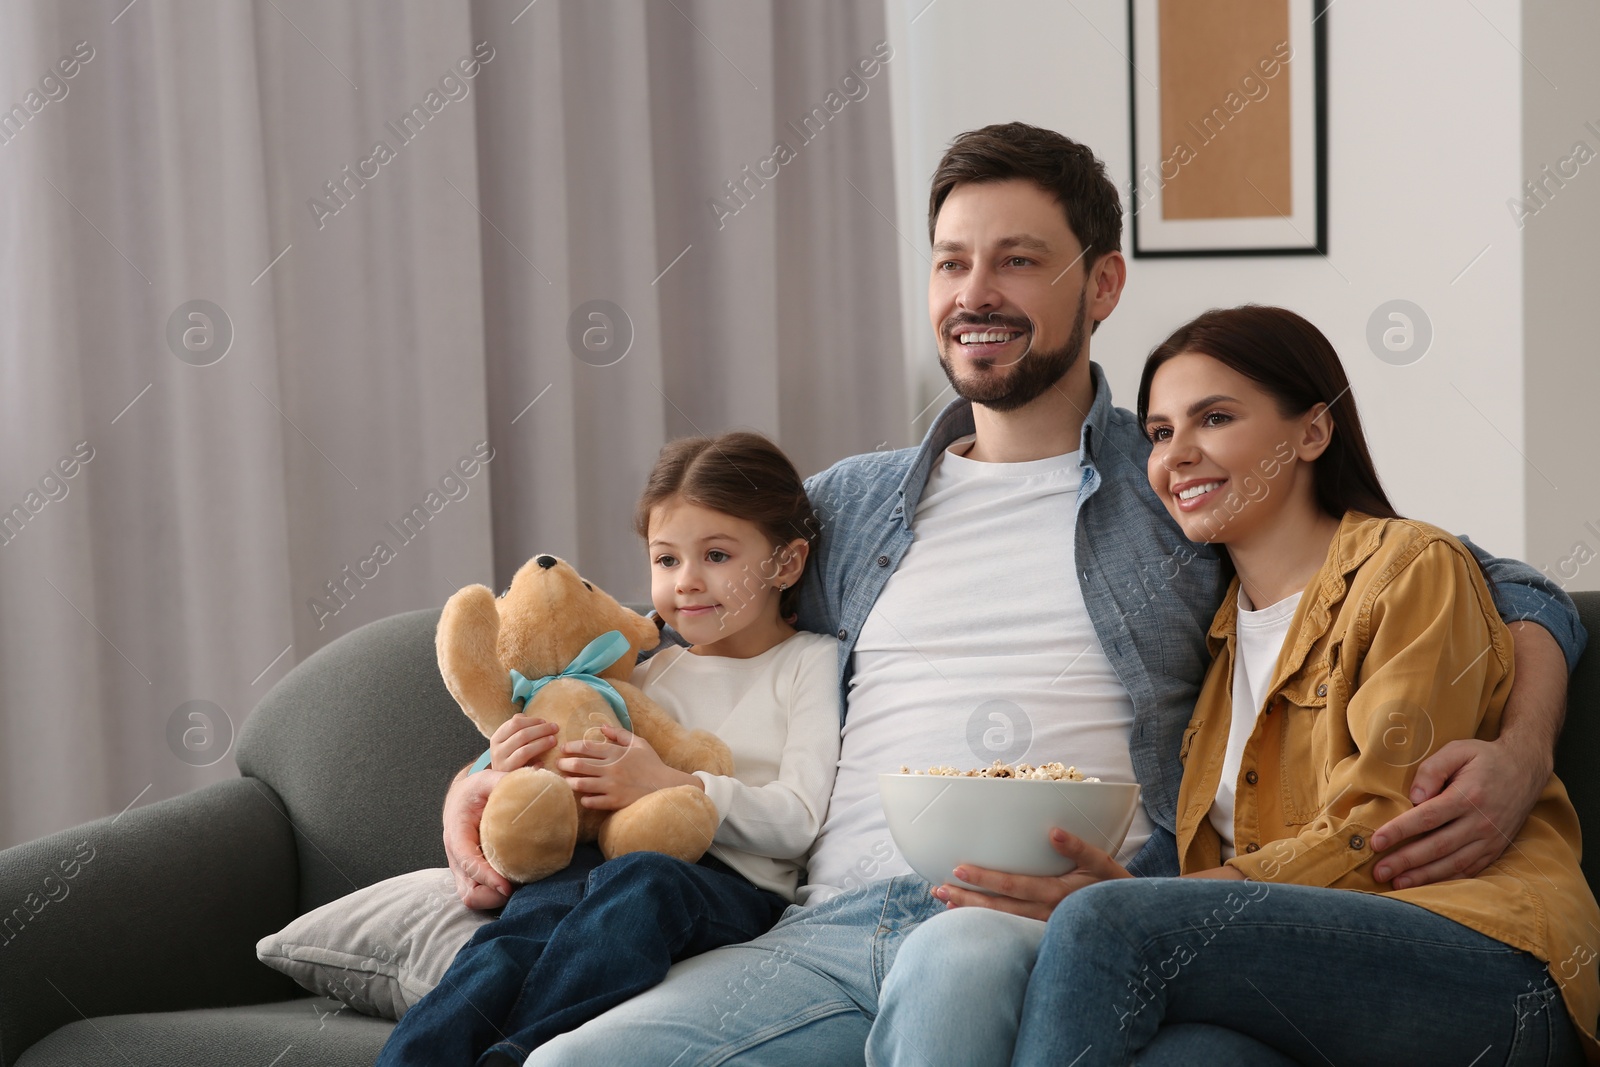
x: 1260, y: 636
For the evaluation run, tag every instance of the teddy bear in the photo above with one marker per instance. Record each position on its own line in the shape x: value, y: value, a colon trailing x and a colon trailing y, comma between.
x: 557, y: 648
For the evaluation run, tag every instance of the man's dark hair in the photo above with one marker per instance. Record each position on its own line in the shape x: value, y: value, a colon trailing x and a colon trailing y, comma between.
x: 1061, y: 166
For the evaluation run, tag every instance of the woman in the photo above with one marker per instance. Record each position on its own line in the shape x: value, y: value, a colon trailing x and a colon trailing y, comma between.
x: 1352, y: 644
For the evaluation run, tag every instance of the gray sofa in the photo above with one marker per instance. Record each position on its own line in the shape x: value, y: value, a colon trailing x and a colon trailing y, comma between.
x: 149, y: 958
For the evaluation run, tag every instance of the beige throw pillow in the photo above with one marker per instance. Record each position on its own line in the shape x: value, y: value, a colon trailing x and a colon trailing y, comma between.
x: 380, y: 949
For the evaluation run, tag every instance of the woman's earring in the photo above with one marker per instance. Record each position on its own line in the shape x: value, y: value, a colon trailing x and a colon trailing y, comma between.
x: 783, y: 585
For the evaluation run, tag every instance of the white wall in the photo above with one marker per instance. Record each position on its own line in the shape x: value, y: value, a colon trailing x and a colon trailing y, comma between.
x: 1424, y: 148
x: 1561, y: 239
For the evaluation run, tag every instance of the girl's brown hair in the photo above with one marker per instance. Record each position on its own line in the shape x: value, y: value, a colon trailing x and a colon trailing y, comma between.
x: 741, y: 474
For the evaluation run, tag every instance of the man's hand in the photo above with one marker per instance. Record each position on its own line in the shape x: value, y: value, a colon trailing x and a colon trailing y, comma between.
x: 614, y: 772
x: 1472, y: 797
x: 479, y: 885
x: 1033, y: 896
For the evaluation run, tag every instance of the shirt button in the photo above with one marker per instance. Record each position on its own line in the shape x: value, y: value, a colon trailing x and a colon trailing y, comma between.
x: 1250, y: 777
x: 1252, y: 847
x: 843, y: 634
x: 898, y: 509
x: 883, y: 561
x: 1357, y: 842
x: 1322, y: 690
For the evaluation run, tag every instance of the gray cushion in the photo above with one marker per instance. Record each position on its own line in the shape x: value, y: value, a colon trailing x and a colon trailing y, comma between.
x: 290, y: 1033
x: 361, y: 741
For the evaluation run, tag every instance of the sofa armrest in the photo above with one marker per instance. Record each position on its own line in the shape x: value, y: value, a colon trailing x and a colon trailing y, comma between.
x: 156, y: 909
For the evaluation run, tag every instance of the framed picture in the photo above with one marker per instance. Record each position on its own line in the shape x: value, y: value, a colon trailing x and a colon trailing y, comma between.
x: 1229, y: 122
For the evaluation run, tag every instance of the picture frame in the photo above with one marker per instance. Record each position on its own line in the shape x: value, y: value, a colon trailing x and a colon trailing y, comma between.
x: 1228, y: 120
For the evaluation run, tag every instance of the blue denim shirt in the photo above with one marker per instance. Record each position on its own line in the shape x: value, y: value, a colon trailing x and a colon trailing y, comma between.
x: 1150, y: 591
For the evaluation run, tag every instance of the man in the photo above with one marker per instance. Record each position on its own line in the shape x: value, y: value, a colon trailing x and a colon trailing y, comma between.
x: 1019, y: 556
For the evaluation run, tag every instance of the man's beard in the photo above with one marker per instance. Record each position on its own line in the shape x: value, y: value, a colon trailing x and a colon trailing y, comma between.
x: 1033, y: 372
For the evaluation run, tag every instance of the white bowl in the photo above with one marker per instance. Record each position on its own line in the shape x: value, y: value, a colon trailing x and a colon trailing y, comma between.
x: 1003, y: 824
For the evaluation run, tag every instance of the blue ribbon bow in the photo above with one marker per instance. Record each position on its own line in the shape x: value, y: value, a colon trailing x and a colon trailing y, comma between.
x: 585, y: 667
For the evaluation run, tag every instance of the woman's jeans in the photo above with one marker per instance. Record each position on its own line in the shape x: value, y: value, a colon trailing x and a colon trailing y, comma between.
x: 569, y: 947
x: 1314, y: 975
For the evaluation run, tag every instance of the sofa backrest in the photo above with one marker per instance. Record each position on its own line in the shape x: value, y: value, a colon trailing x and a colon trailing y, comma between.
x: 1578, y: 752
x: 361, y: 742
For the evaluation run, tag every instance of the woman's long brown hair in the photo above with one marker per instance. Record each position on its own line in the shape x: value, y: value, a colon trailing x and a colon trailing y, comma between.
x: 1296, y: 365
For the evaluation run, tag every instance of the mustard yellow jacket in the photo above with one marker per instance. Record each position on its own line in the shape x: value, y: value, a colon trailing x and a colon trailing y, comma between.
x: 1394, y: 651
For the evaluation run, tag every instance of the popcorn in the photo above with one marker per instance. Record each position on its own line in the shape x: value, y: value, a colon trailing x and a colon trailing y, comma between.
x: 1045, y: 772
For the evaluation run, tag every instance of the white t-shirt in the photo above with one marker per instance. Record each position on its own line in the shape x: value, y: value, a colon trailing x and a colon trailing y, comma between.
x: 778, y: 713
x: 979, y: 648
x: 1259, y: 639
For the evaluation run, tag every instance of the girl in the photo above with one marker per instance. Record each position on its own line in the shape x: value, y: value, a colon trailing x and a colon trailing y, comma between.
x: 1352, y: 644
x: 729, y: 529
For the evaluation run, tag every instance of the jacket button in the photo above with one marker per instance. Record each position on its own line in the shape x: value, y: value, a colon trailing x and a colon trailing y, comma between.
x: 883, y: 561
x: 843, y: 634
x: 1357, y: 842
x: 1322, y: 690
x: 1252, y: 847
x: 1250, y: 777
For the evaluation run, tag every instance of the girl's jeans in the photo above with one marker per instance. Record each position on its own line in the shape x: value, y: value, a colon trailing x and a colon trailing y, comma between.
x: 569, y: 947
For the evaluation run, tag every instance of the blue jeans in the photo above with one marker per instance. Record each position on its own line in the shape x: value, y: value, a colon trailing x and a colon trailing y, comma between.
x: 569, y: 947
x: 923, y: 1020
x: 955, y: 995
x: 803, y: 993
x: 1311, y: 975
x: 930, y: 1013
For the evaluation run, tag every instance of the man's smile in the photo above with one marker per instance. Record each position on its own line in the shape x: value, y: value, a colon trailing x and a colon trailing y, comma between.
x: 984, y: 341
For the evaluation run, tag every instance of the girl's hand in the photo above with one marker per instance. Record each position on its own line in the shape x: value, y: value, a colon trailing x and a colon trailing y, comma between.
x: 521, y: 741
x: 1034, y: 896
x: 613, y: 773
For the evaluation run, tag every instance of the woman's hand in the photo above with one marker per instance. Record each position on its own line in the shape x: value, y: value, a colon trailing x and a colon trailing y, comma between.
x: 1034, y: 896
x: 613, y: 773
x: 521, y: 741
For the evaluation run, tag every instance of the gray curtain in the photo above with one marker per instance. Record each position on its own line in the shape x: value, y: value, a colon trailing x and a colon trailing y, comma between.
x: 314, y: 312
